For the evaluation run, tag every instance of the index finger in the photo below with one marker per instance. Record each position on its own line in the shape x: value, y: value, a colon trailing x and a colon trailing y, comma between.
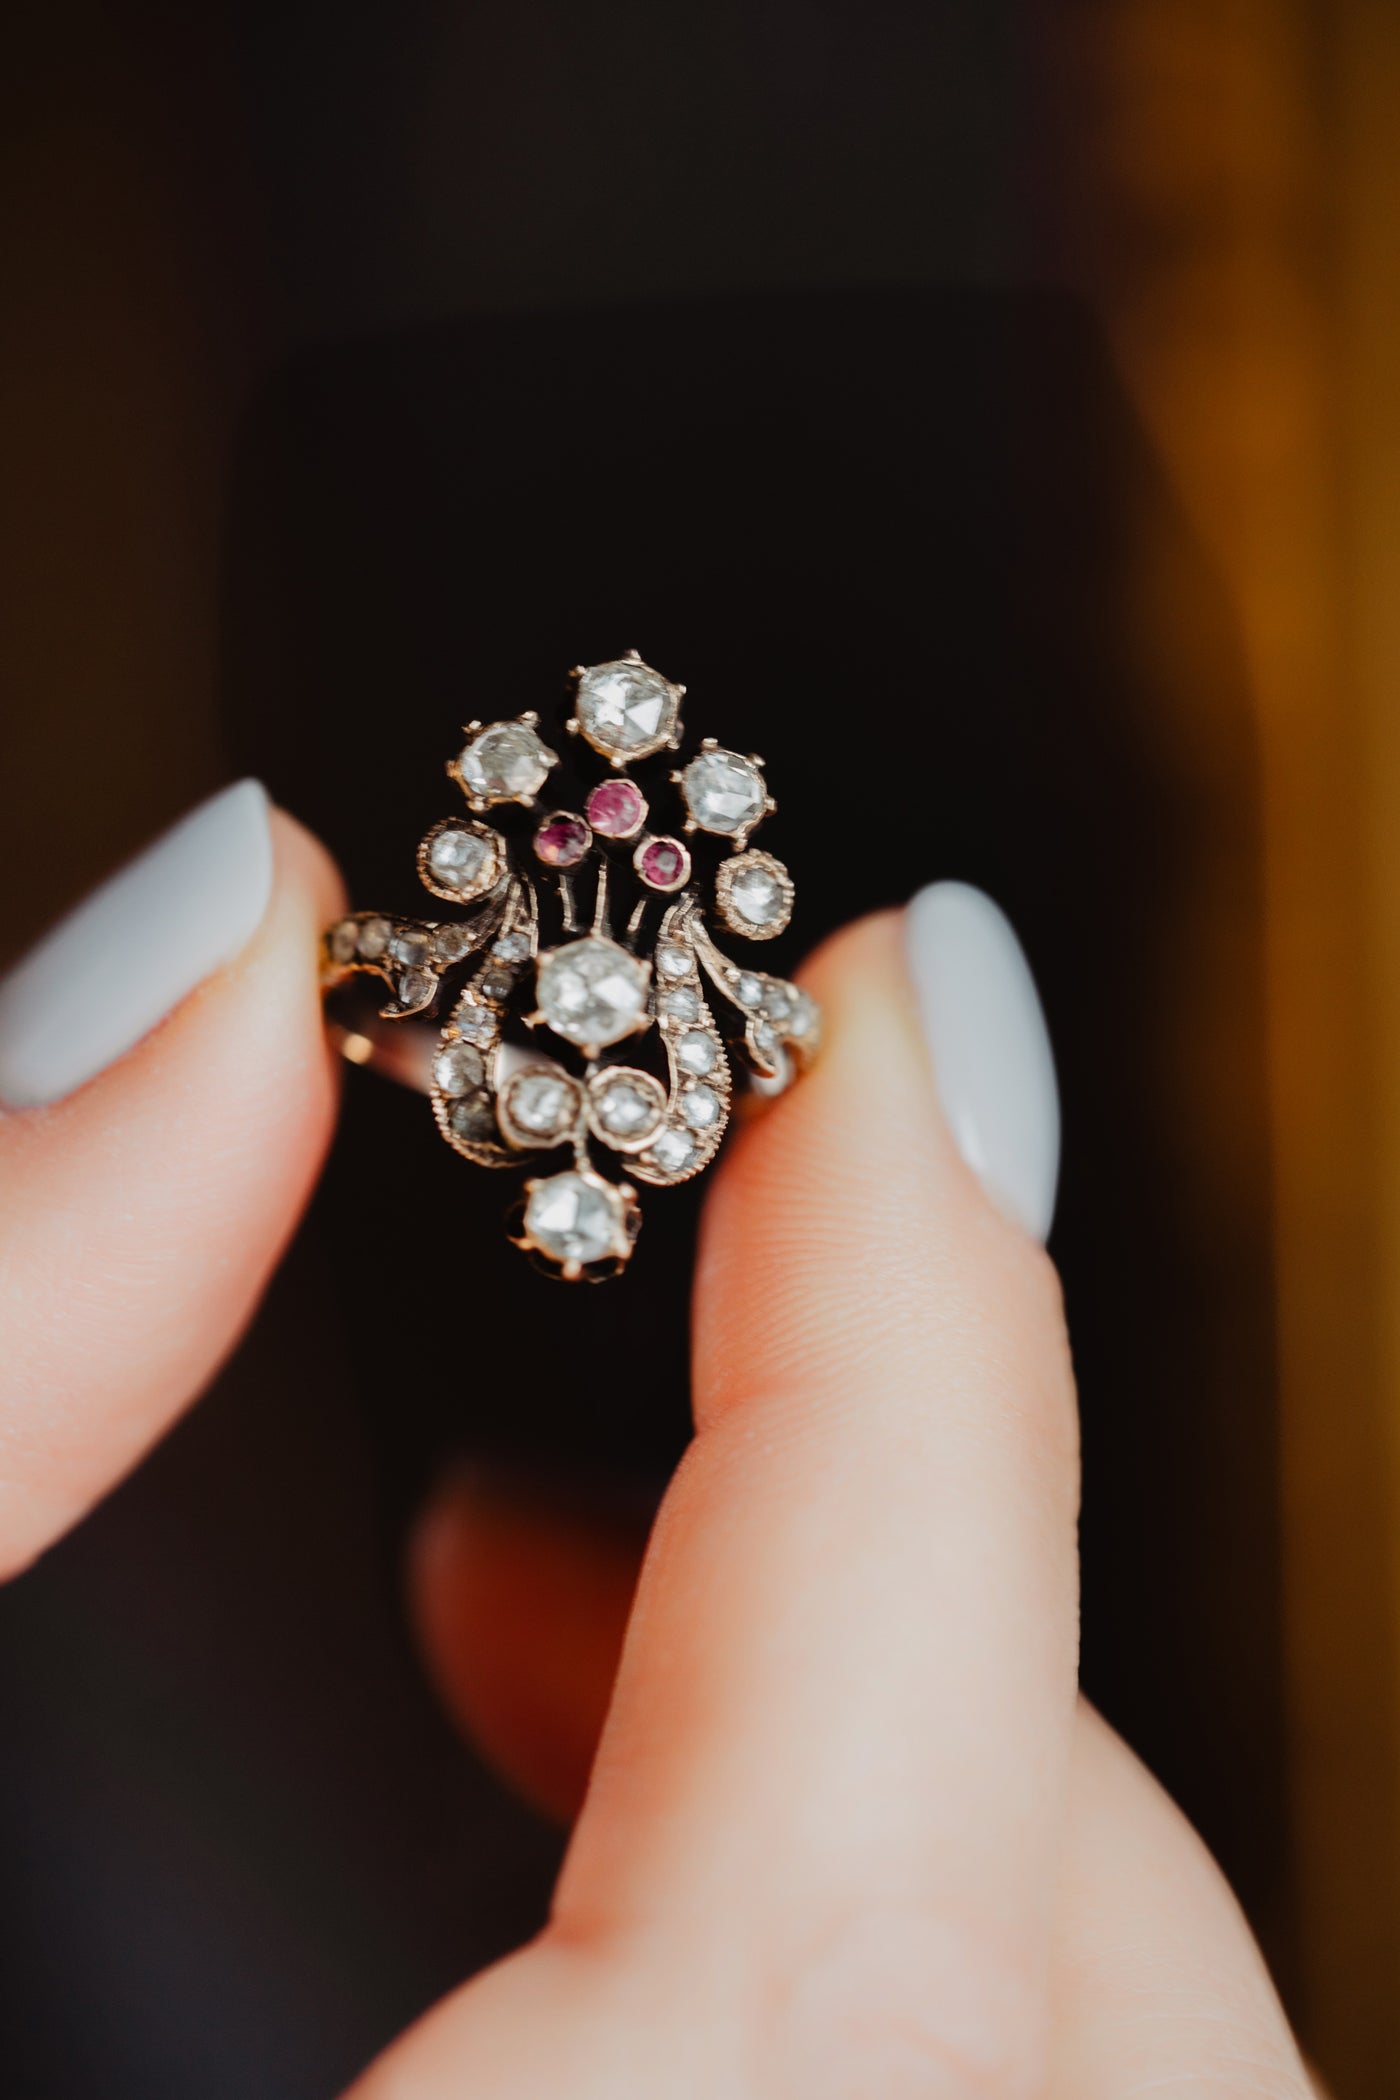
x: 166, y: 1096
x: 835, y: 1762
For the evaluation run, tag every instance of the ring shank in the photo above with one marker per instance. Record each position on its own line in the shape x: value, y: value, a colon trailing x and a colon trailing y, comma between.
x: 399, y: 1050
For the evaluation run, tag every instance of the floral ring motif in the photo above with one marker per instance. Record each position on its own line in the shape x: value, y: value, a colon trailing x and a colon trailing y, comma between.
x: 587, y: 927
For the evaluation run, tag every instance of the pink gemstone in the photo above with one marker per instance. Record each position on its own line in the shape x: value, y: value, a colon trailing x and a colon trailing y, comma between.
x: 562, y: 841
x: 663, y: 863
x: 616, y: 809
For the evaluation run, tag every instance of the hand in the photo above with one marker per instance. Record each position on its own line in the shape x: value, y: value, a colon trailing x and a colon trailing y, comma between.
x: 849, y: 1834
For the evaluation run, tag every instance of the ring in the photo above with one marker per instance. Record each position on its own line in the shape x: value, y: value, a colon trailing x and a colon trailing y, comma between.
x: 588, y: 927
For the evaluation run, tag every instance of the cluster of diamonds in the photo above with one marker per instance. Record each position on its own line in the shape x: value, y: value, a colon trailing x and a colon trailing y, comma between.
x: 500, y: 1102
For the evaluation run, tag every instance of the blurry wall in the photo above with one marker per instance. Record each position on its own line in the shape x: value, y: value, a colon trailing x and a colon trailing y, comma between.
x: 1232, y: 212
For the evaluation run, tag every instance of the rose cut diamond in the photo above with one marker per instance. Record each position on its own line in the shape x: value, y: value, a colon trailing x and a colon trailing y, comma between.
x: 803, y: 1018
x: 458, y: 1069
x: 673, y: 1151
x: 724, y: 792
x: 458, y: 859
x: 575, y: 1218
x: 592, y: 992
x: 697, y: 1053
x: 505, y: 763
x: 475, y: 1023
x: 472, y: 1119
x: 451, y: 944
x: 416, y: 987
x: 539, y: 1106
x: 754, y: 893
x: 625, y: 709
x: 700, y: 1107
x: 630, y: 1106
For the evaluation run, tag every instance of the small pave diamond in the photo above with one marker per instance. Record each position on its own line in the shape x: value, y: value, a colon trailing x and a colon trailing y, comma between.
x: 625, y: 709
x: 374, y: 938
x: 673, y: 961
x: 505, y: 763
x: 416, y: 987
x: 724, y: 792
x: 802, y: 1021
x: 451, y: 943
x: 700, y: 1107
x: 681, y: 1004
x: 575, y: 1218
x: 748, y: 989
x: 697, y: 1053
x: 673, y: 1151
x: 410, y: 946
x: 512, y: 947
x: 343, y: 939
x: 592, y: 992
x: 473, y: 1119
x: 475, y: 1024
x: 458, y: 1069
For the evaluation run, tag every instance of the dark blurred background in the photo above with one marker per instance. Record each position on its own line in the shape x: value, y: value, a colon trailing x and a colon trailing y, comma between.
x: 1011, y: 379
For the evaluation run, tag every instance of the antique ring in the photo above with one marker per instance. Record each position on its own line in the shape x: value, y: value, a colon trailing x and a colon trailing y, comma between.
x: 591, y: 925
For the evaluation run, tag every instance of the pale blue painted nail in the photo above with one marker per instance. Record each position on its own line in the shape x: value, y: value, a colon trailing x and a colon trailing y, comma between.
x: 989, y: 1047
x: 129, y: 953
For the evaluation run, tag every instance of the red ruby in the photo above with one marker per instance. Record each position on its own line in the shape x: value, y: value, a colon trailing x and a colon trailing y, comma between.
x: 663, y: 863
x: 616, y: 809
x: 562, y: 841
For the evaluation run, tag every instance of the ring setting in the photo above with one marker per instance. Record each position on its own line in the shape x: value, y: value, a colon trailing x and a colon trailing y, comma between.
x: 586, y: 935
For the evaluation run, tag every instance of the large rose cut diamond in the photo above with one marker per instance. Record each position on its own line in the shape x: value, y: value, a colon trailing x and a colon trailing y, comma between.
x: 576, y: 1219
x: 625, y: 709
x: 592, y: 992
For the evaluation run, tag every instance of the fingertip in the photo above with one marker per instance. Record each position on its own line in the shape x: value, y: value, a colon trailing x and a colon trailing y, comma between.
x: 855, y: 1209
x: 142, y: 1211
x: 989, y: 1047
x: 304, y: 865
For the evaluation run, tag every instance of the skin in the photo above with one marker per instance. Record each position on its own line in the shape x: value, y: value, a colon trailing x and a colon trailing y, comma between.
x: 842, y: 1826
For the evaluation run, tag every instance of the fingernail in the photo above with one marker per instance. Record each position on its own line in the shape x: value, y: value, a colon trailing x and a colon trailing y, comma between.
x: 989, y: 1046
x: 129, y: 953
